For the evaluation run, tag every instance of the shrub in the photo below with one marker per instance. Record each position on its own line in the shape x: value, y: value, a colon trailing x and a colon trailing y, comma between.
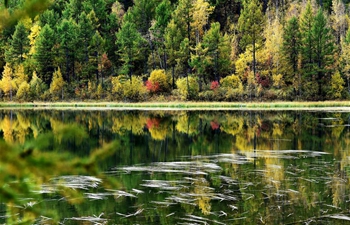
x: 23, y: 91
x: 232, y: 86
x: 158, y: 81
x: 132, y: 90
x: 188, y: 90
x: 214, y: 85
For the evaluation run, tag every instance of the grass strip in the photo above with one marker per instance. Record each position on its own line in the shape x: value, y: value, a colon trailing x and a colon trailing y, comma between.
x: 183, y: 105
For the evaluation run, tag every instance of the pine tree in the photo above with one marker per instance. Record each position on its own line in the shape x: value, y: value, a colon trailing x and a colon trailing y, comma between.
x: 162, y: 19
x: 251, y: 24
x: 130, y: 44
x: 67, y: 31
x: 19, y: 45
x: 324, y: 49
x: 307, y: 44
x: 291, y: 51
x: 172, y: 41
x: 96, y: 49
x: 43, y: 55
x: 219, y: 50
x: 199, y: 61
x: 86, y: 31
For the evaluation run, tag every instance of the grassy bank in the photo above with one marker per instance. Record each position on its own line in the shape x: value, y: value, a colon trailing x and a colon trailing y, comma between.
x: 340, y: 105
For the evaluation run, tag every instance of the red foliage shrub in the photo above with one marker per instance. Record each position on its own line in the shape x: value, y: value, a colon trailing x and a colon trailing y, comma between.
x: 214, y: 85
x: 152, y: 122
x: 214, y: 125
x: 152, y: 87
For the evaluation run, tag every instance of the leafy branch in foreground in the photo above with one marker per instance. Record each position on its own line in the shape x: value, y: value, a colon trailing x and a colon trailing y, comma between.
x: 28, y: 170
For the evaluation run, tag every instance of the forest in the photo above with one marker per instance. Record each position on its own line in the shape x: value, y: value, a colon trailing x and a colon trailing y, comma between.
x: 169, y: 50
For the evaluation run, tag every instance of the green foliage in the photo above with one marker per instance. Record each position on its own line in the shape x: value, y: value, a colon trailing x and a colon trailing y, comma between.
x: 44, y: 55
x: 19, y: 45
x: 130, y: 44
x: 188, y: 87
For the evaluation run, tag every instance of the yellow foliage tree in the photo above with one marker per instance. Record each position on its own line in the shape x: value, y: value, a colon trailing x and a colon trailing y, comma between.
x: 57, y: 85
x: 200, y: 17
x: 34, y: 32
x: 7, y: 83
x: 19, y: 76
x: 23, y: 91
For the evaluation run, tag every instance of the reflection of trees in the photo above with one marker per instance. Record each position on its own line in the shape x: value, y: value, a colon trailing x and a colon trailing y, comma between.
x: 280, y: 183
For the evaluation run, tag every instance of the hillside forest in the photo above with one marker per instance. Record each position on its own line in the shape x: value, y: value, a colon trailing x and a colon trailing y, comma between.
x: 167, y: 50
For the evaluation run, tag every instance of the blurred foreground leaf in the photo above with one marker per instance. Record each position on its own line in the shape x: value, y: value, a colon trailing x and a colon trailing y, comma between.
x: 30, y: 8
x: 26, y: 171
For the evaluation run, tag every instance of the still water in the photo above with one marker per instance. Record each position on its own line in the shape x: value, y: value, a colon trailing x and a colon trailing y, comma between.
x: 197, y: 167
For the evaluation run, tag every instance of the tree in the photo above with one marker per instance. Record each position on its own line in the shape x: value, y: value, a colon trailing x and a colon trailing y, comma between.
x: 338, y: 19
x: 44, y: 55
x: 291, y: 51
x: 142, y: 14
x: 251, y: 24
x: 172, y: 41
x: 307, y: 45
x: 19, y: 45
x: 183, y: 18
x: 96, y: 50
x: 324, y: 49
x: 130, y: 44
x: 86, y: 31
x: 337, y: 86
x: 200, y: 17
x: 57, y: 85
x: 162, y: 19
x: 7, y: 84
x: 219, y: 50
x: 67, y: 31
x: 199, y: 61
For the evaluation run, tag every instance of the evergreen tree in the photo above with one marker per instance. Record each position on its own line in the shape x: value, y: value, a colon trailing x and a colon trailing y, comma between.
x: 251, y: 24
x: 19, y: 45
x: 291, y: 50
x: 162, y: 19
x: 307, y: 44
x: 96, y: 49
x: 219, y: 50
x: 324, y: 49
x: 67, y: 31
x: 44, y: 56
x: 199, y: 61
x: 142, y: 13
x: 130, y: 44
x: 86, y: 31
x: 172, y: 41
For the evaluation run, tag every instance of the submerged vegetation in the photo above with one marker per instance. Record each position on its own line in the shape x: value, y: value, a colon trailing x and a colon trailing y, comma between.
x: 172, y: 50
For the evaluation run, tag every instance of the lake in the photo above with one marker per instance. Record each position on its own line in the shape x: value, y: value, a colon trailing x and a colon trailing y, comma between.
x: 195, y: 167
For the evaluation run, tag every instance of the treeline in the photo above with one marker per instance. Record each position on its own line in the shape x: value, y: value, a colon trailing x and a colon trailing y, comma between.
x: 139, y: 50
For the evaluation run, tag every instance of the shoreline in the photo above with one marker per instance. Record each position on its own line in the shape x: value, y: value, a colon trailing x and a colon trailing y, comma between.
x: 319, y: 106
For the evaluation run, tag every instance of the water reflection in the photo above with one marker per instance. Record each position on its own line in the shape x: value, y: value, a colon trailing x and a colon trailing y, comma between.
x: 196, y: 167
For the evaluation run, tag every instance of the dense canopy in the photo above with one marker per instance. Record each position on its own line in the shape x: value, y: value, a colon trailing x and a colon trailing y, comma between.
x: 208, y: 50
